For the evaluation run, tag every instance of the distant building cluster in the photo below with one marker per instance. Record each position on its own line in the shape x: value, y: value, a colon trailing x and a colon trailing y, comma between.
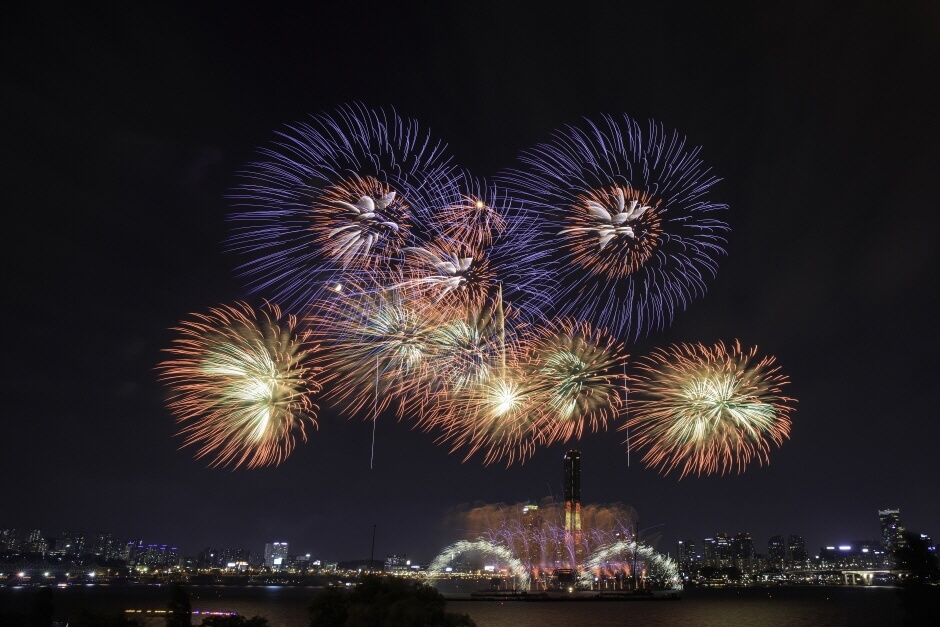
x: 715, y: 559
x: 723, y: 557
x: 72, y: 555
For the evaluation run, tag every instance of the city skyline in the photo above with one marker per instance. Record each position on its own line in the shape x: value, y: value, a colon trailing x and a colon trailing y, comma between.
x: 777, y: 545
x: 126, y: 127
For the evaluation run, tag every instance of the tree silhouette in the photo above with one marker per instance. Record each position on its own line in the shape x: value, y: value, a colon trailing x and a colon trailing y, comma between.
x: 179, y: 609
x: 384, y: 602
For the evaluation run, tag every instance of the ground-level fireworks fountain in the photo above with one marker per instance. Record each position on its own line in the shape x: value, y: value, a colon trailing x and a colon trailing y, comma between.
x: 555, y: 546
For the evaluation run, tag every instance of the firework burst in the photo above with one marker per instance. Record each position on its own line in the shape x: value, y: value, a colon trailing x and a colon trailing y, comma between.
x: 578, y: 373
x: 499, y: 416
x: 337, y: 194
x: 628, y: 216
x: 376, y: 343
x: 241, y: 383
x: 708, y: 408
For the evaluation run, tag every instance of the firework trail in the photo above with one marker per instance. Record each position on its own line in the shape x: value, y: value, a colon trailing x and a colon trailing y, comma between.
x: 337, y: 194
x: 627, y: 215
x: 241, y: 383
x: 707, y: 408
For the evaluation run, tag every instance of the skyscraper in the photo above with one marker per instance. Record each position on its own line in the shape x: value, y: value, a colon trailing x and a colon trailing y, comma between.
x: 532, y: 531
x: 275, y: 555
x: 573, y: 504
x: 573, y: 491
x: 796, y: 549
x: 892, y: 532
x: 776, y: 551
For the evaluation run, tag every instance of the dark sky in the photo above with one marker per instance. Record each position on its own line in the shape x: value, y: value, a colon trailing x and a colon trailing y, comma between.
x: 124, y: 128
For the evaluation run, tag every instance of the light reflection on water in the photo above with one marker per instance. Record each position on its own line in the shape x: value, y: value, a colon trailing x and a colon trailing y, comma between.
x: 766, y: 607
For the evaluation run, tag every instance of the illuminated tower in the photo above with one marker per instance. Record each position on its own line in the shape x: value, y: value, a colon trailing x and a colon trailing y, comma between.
x: 573, y: 504
x: 892, y: 532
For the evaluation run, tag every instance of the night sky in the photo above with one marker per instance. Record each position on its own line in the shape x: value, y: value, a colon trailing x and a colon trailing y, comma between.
x: 125, y: 127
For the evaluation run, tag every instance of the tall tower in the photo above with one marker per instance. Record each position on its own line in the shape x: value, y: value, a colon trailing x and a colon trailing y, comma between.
x: 892, y: 532
x: 573, y: 504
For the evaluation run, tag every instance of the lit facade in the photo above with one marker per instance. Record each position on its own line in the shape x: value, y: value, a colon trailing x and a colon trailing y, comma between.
x: 573, y: 503
x: 892, y: 532
x: 275, y: 555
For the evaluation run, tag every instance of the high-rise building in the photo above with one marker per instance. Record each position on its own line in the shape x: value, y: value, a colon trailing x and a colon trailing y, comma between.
x: 796, y: 550
x: 71, y: 543
x: 8, y: 539
x: 35, y: 542
x: 742, y: 552
x: 532, y: 537
x: 776, y: 551
x: 685, y: 553
x: 892, y: 532
x: 573, y: 504
x: 275, y: 555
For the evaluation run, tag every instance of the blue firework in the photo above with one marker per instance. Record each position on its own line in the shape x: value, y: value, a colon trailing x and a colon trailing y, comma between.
x: 335, y: 195
x: 628, y: 218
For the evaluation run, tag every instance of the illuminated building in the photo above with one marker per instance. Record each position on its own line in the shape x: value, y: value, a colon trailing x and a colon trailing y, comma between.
x: 717, y: 551
x: 532, y: 523
x: 776, y: 551
x: 892, y: 532
x: 275, y: 555
x: 8, y: 539
x: 742, y: 552
x: 863, y: 554
x: 796, y: 550
x: 573, y: 503
x: 685, y: 553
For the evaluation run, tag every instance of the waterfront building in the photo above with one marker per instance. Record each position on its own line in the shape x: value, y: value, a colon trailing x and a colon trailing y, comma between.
x: 892, y: 532
x: 71, y: 544
x: 716, y: 551
x: 796, y: 551
x: 742, y: 552
x: 776, y: 552
x: 685, y: 553
x: 8, y: 540
x: 36, y: 543
x: 860, y: 554
x: 275, y: 555
x: 532, y: 550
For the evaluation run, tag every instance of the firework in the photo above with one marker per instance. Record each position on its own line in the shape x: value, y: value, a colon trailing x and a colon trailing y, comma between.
x: 449, y: 271
x: 484, y: 246
x: 499, y: 416
x: 578, y: 373
x: 471, y: 211
x: 376, y: 343
x: 335, y: 195
x: 627, y: 214
x: 706, y: 409
x: 240, y: 384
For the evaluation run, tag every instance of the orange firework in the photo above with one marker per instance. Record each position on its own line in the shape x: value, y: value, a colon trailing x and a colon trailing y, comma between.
x: 449, y: 272
x: 376, y: 342
x: 241, y: 383
x: 578, y: 371
x: 613, y: 232
x: 706, y: 409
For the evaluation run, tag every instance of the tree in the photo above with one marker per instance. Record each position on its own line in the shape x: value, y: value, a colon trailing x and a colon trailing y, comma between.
x: 384, y: 602
x: 179, y: 609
